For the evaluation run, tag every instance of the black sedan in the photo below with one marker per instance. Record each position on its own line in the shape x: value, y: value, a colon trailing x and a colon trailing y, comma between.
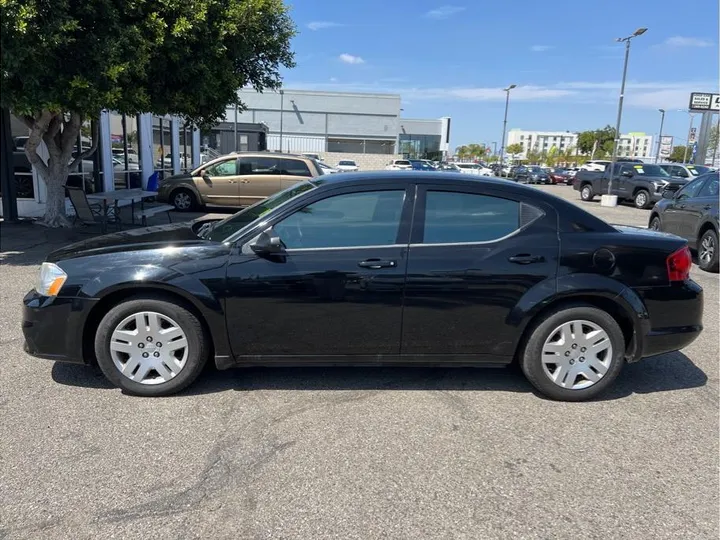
x: 692, y: 213
x: 366, y: 269
x: 532, y: 175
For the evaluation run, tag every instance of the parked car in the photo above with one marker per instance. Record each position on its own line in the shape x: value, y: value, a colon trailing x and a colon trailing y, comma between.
x: 558, y: 175
x: 532, y: 175
x: 692, y: 213
x: 331, y: 272
x: 326, y: 169
x: 399, y: 165
x: 598, y: 165
x: 474, y: 168
x: 420, y: 165
x: 572, y: 171
x: 237, y: 179
x: 347, y: 165
x: 685, y: 171
x: 641, y: 183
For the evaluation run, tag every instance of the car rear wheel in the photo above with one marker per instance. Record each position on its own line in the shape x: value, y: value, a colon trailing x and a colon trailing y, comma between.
x: 642, y: 199
x: 573, y: 353
x: 586, y: 193
x: 708, y: 251
x: 150, y: 347
x: 655, y: 224
x: 183, y: 200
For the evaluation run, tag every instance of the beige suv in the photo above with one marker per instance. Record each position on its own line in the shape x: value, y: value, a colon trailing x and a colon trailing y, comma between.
x: 239, y: 179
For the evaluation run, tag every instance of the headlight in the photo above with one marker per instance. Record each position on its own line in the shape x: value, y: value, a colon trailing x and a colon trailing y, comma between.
x: 660, y: 186
x: 51, y: 279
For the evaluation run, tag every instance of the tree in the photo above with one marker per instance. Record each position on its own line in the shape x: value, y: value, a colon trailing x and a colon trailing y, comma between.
x: 604, y: 137
x: 61, y: 63
x: 533, y: 157
x: 678, y: 154
x: 514, y: 149
x: 552, y: 157
x: 462, y: 152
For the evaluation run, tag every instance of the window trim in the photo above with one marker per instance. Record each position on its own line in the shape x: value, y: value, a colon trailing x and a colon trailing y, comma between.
x: 418, y: 226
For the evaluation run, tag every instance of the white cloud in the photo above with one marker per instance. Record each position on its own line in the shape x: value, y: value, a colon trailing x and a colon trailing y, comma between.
x: 333, y: 79
x: 321, y: 25
x: 541, y: 48
x: 680, y: 41
x: 350, y: 59
x: 443, y: 12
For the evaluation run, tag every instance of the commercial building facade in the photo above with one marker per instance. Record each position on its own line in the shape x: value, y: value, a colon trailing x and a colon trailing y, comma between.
x: 636, y: 145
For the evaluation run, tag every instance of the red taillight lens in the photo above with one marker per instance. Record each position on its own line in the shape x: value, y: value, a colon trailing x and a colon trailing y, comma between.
x: 679, y: 264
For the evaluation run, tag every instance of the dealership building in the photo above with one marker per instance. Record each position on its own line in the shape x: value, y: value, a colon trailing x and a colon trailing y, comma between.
x: 366, y: 128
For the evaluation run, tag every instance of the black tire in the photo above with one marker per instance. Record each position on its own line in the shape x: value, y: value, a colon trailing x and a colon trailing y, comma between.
x: 531, y: 352
x: 642, y: 199
x: 183, y: 200
x: 197, y: 348
x: 709, y: 264
x: 586, y: 192
x: 655, y: 224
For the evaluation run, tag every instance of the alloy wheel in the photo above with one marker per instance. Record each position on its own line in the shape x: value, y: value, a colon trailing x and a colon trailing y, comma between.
x: 707, y: 249
x: 577, y: 354
x: 641, y: 200
x: 149, y: 348
x: 182, y: 201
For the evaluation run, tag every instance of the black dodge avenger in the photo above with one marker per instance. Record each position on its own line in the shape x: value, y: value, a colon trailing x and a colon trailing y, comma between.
x: 372, y: 268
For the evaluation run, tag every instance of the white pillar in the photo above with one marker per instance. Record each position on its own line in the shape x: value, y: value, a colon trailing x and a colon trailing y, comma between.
x: 105, y: 151
x: 175, y: 144
x: 147, y: 159
x: 196, y: 148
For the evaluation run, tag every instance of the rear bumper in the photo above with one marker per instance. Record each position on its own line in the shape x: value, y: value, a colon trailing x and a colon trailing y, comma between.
x: 53, y: 327
x: 675, y: 316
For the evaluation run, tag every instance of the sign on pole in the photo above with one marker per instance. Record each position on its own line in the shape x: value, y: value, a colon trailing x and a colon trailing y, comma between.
x: 666, y: 143
x: 704, y: 101
x: 693, y: 135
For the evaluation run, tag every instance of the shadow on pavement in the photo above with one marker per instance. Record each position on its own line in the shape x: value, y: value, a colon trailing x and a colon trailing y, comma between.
x: 668, y: 372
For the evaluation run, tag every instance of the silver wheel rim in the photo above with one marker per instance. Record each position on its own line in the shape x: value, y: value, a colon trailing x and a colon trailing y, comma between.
x: 586, y: 193
x: 149, y: 348
x: 707, y: 249
x: 577, y: 355
x: 182, y: 201
x: 641, y: 199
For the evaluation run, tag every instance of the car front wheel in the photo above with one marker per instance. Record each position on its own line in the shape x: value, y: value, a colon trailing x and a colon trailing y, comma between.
x: 642, y: 199
x: 655, y: 224
x: 150, y: 346
x: 586, y: 193
x: 183, y: 200
x: 708, y: 251
x: 573, y: 353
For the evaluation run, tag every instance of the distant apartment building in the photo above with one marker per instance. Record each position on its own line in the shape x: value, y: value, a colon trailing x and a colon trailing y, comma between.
x: 635, y: 145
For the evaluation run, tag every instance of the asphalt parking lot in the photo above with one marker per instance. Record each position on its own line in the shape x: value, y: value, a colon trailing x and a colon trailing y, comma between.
x: 358, y: 453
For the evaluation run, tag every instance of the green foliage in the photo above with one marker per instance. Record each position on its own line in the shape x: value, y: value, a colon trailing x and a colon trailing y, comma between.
x: 534, y: 157
x: 514, y: 149
x: 171, y: 57
x: 605, y: 138
x: 678, y: 154
x: 471, y: 151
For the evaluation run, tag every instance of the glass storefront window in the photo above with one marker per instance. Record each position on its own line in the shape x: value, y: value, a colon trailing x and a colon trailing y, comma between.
x: 124, y: 143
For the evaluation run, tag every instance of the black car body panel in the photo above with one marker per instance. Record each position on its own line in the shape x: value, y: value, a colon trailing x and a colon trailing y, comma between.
x: 411, y: 299
x: 690, y: 211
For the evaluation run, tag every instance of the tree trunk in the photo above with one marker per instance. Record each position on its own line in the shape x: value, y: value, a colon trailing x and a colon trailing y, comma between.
x: 55, y: 215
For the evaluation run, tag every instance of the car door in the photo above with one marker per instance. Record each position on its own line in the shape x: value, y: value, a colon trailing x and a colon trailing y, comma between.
x: 623, y: 181
x: 293, y: 171
x: 218, y: 183
x: 697, y: 207
x: 475, y: 252
x: 261, y: 176
x: 336, y: 291
x: 676, y: 216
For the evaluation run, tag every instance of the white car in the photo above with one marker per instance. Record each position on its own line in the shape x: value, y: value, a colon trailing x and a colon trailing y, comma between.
x: 399, y: 165
x: 598, y: 165
x: 326, y: 169
x: 347, y: 165
x: 473, y: 168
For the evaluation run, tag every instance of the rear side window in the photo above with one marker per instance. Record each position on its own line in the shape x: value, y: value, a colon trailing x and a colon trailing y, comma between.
x: 452, y: 217
x: 260, y: 165
x: 294, y: 167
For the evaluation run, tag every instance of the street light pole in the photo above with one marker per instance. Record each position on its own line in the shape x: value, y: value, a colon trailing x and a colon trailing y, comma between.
x: 610, y: 200
x: 507, y: 102
x: 282, y: 98
x: 662, y: 120
x: 692, y: 117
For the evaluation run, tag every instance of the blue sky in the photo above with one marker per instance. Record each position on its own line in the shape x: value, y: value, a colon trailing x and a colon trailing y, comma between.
x: 454, y: 58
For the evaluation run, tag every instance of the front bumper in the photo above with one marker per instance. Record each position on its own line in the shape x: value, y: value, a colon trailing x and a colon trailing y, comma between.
x: 53, y: 327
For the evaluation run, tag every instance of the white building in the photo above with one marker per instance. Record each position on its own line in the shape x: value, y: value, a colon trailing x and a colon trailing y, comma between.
x: 541, y: 141
x: 635, y: 145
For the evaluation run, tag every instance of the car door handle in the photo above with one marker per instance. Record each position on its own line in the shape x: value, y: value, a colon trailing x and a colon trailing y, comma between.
x: 707, y: 207
x: 231, y: 182
x: 375, y: 264
x: 244, y: 181
x: 525, y: 258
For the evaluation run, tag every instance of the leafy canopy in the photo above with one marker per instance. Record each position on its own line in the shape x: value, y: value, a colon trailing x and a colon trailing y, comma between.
x: 161, y: 56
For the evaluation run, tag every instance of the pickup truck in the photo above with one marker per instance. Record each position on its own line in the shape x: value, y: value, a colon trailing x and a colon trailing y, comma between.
x: 638, y: 182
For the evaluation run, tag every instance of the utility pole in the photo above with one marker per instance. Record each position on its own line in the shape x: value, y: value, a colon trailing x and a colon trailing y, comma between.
x: 662, y: 120
x: 507, y: 102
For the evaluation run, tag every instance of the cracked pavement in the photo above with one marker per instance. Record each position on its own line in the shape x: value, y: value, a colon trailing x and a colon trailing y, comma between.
x: 357, y: 453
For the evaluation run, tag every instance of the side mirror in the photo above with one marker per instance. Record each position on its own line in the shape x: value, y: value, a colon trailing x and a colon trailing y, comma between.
x: 204, y: 174
x: 668, y: 194
x: 268, y: 244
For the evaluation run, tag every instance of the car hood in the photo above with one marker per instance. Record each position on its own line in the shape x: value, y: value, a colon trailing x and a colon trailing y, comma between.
x: 171, y: 235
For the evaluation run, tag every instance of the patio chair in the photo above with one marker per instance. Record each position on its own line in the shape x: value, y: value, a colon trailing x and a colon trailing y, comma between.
x: 90, y: 214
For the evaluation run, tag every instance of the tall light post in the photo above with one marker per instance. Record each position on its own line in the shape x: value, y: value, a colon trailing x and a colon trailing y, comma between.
x: 507, y: 102
x: 692, y: 117
x: 610, y: 199
x: 662, y: 120
x: 282, y: 103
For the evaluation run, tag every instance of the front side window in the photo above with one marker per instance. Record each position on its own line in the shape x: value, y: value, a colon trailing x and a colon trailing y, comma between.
x: 690, y: 190
x: 452, y: 217
x: 350, y: 220
x: 710, y: 189
x: 224, y: 168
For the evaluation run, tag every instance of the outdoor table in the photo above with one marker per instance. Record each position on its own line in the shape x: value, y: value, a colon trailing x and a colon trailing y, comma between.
x: 120, y: 195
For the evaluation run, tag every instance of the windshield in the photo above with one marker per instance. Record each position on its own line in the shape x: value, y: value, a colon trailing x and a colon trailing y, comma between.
x: 650, y: 170
x: 220, y: 230
x: 697, y: 170
x: 537, y: 170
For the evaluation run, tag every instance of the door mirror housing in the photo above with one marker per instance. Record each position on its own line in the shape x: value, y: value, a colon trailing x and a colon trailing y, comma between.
x: 204, y: 175
x: 268, y: 244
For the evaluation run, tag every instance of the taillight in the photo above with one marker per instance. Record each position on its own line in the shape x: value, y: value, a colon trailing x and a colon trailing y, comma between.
x: 679, y: 264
